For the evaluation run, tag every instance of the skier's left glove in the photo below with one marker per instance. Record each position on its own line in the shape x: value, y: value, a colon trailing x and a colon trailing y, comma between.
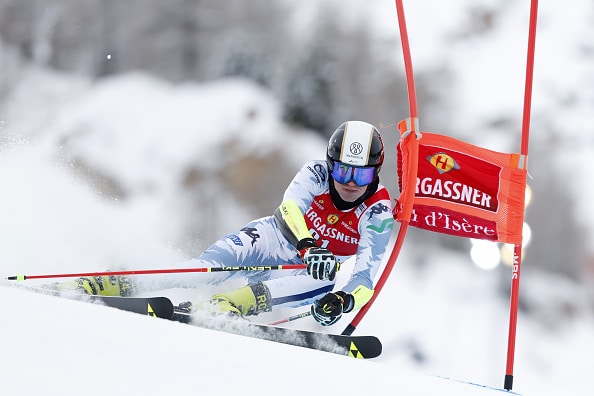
x: 329, y: 309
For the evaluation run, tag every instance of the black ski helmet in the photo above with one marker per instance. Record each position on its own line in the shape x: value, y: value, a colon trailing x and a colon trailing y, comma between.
x: 356, y: 143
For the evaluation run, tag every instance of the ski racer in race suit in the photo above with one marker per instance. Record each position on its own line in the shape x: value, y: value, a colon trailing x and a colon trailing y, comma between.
x: 332, y: 210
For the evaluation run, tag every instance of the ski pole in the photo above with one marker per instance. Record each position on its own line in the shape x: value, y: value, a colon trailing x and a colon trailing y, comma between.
x: 291, y: 318
x: 164, y: 271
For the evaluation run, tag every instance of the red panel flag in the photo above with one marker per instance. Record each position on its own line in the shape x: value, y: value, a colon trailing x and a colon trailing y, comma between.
x: 464, y: 190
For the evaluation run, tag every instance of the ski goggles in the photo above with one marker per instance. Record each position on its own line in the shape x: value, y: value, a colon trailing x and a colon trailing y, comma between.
x: 361, y: 175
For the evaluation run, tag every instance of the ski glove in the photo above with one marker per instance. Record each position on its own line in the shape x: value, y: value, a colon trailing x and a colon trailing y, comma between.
x: 329, y: 309
x: 321, y: 263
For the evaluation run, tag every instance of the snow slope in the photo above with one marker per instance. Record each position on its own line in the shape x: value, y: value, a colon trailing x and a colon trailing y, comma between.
x: 56, y: 346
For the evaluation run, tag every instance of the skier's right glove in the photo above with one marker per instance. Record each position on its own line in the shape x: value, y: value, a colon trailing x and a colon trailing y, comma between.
x: 321, y: 263
x: 329, y: 309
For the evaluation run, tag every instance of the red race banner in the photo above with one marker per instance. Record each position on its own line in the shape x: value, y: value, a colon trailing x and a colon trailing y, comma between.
x: 465, y: 190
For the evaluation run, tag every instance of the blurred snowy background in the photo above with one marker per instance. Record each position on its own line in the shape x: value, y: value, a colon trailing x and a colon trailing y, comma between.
x: 133, y: 134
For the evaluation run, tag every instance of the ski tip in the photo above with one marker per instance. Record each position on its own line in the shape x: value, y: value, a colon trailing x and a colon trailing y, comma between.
x: 370, y: 348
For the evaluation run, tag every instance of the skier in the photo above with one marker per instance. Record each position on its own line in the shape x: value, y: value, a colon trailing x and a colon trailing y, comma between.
x: 333, y: 209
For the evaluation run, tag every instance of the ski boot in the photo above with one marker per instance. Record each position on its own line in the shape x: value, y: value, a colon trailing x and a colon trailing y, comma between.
x: 246, y: 301
x: 98, y: 285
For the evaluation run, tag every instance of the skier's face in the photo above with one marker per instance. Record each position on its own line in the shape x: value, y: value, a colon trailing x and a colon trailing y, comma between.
x: 349, y: 192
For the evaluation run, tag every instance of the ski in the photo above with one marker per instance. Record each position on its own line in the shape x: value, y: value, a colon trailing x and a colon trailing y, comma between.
x: 159, y: 307
x: 359, y: 347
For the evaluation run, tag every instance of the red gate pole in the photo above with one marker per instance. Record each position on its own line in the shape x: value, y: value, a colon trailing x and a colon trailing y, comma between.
x: 408, y: 193
x: 515, y: 282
